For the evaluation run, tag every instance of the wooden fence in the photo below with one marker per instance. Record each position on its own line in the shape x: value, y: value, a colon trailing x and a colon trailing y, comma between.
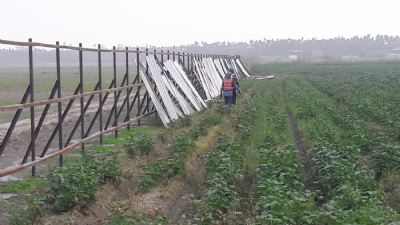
x: 114, y: 105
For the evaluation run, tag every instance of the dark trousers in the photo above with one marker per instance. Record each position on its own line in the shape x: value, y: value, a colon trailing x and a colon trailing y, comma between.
x: 228, y: 100
x: 234, y: 97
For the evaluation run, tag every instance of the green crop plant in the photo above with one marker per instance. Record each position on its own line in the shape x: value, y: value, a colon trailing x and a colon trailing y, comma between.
x: 165, y: 168
x: 386, y: 158
x: 75, y: 185
x: 31, y: 213
x: 182, y: 122
x: 228, y: 177
x: 183, y: 143
x: 223, y: 109
x: 107, y: 167
x: 278, y: 195
x: 224, y: 166
x: 137, y: 218
x: 345, y: 111
x: 139, y: 143
x: 164, y: 134
x: 70, y: 187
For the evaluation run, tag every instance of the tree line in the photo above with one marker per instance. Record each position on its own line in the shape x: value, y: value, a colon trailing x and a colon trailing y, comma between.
x: 379, y: 46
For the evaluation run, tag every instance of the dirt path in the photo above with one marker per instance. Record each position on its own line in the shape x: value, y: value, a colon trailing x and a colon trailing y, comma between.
x: 172, y: 198
x: 299, y: 143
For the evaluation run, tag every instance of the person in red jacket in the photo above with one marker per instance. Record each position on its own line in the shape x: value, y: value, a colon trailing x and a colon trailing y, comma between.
x: 227, y: 88
x: 235, y: 80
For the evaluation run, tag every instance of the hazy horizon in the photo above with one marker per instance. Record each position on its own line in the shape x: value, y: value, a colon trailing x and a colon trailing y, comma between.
x: 184, y: 22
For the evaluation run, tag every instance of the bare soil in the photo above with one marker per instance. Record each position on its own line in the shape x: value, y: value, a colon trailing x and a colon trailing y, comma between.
x: 300, y: 145
x: 17, y: 145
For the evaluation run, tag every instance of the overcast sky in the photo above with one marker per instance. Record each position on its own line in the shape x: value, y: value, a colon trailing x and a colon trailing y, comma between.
x: 181, y: 22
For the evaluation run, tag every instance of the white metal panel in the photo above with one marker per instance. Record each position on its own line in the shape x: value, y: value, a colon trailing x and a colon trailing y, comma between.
x: 186, y: 108
x: 227, y: 63
x: 160, y: 109
x: 213, y: 74
x: 201, y: 78
x: 178, y: 95
x: 232, y: 63
x: 194, y: 91
x: 173, y: 95
x: 208, y: 78
x: 222, y: 62
x: 205, y: 79
x: 157, y: 74
x: 242, y: 68
x: 176, y: 75
x: 218, y: 65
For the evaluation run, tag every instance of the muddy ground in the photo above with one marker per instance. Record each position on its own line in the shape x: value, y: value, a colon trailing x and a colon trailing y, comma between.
x: 17, y: 145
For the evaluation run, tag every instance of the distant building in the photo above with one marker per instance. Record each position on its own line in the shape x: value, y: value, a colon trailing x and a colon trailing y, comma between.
x: 396, y: 49
x: 350, y: 57
x: 396, y: 52
x: 295, y: 54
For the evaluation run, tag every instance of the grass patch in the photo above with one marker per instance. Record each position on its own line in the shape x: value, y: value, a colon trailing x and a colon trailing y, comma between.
x: 100, y: 149
x: 68, y: 160
x: 21, y: 186
x: 114, y: 141
x: 125, y: 134
x: 134, y: 132
x: 146, y: 130
x: 204, y: 143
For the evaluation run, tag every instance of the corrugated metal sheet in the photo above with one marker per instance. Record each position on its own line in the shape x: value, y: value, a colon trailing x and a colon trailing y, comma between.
x: 223, y: 64
x: 218, y: 65
x: 185, y: 77
x: 242, y: 68
x: 203, y: 82
x: 213, y: 75
x: 160, y: 109
x: 179, y: 77
x: 157, y: 76
x: 239, y: 69
x: 209, y: 77
x: 186, y: 108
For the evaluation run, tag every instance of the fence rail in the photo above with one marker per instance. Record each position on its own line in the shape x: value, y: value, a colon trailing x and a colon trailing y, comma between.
x: 95, y: 109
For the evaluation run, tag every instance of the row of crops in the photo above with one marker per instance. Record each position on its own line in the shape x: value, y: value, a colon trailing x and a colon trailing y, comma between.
x: 347, y: 114
x: 349, y: 187
x: 345, y: 189
x: 316, y: 145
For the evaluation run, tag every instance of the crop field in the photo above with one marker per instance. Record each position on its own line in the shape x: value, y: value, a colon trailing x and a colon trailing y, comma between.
x: 317, y: 144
